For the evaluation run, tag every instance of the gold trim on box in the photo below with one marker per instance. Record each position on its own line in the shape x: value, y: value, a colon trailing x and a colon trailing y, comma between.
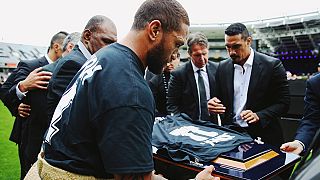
x: 248, y: 164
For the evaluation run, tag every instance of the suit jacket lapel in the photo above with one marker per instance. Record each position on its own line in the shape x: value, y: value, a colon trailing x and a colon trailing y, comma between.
x: 229, y: 80
x: 254, y: 78
x: 192, y: 81
x: 211, y: 78
x: 43, y: 61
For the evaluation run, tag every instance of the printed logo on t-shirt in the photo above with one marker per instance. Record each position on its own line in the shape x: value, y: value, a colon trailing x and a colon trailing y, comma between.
x: 86, y: 72
x: 204, y: 137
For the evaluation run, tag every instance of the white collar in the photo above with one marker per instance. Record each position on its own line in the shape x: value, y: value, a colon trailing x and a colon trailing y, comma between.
x: 250, y: 58
x: 249, y: 61
x: 48, y: 59
x: 84, y: 50
x: 195, y: 68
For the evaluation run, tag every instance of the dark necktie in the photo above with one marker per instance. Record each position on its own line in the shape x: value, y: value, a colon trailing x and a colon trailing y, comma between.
x: 203, y: 115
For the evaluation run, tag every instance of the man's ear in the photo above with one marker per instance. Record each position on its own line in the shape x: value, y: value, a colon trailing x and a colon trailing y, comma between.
x: 87, y: 35
x: 56, y: 47
x: 154, y: 29
x: 70, y: 46
x: 249, y: 40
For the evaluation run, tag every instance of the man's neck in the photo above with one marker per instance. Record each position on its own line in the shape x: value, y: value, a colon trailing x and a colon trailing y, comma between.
x: 52, y: 55
x: 135, y: 41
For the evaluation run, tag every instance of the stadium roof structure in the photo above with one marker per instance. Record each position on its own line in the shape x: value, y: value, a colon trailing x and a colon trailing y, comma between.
x: 289, y: 33
x: 274, y: 35
x: 11, y: 54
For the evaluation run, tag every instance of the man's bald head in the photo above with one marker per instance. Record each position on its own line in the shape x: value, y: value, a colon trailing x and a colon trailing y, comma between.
x: 99, y: 20
x: 100, y: 31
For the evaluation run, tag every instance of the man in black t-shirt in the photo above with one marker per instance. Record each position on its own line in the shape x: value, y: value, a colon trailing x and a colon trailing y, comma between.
x: 103, y: 122
x: 111, y: 107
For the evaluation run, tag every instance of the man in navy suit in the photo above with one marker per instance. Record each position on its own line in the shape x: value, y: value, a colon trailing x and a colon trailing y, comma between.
x: 27, y: 77
x: 310, y: 122
x: 252, y: 91
x: 100, y: 31
x: 183, y: 93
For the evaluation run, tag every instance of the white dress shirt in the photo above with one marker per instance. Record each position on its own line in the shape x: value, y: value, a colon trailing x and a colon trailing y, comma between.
x: 84, y: 50
x: 240, y: 86
x: 205, y: 80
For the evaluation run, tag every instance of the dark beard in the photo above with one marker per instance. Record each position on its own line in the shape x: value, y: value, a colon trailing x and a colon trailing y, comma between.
x: 155, y: 59
x: 234, y: 59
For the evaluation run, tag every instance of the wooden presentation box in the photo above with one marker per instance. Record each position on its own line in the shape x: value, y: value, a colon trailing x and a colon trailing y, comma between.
x: 248, y: 161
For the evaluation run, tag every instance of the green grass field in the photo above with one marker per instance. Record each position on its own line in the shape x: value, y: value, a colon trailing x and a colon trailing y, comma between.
x: 9, y: 160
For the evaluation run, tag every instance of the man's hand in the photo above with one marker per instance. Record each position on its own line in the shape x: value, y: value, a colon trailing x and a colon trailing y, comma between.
x: 249, y: 116
x: 206, y: 174
x: 215, y: 106
x: 24, y: 110
x: 37, y: 79
x: 293, y: 147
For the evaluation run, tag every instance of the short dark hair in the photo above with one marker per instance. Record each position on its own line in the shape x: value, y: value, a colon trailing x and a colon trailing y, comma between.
x: 58, y: 38
x: 237, y: 28
x: 169, y: 12
x: 197, y: 38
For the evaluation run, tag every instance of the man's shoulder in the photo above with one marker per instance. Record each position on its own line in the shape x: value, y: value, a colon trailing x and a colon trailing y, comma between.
x: 265, y: 57
x: 182, y: 68
x: 225, y: 64
x: 315, y: 80
x: 73, y: 59
x: 74, y: 56
x: 156, y: 79
x: 212, y: 64
x: 225, y: 61
x: 114, y: 52
x: 49, y: 67
x: 31, y: 62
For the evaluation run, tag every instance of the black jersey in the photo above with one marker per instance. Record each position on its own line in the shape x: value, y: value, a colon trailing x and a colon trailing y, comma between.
x: 103, y: 122
x: 187, y: 140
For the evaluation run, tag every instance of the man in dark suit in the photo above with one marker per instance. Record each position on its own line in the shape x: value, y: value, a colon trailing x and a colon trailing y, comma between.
x: 25, y: 78
x: 100, y: 31
x: 184, y: 90
x: 4, y: 90
x: 159, y: 84
x: 34, y: 108
x: 310, y: 122
x: 252, y: 90
x: 67, y: 46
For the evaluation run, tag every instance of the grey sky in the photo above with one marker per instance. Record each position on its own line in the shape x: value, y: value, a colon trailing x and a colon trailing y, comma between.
x: 35, y: 21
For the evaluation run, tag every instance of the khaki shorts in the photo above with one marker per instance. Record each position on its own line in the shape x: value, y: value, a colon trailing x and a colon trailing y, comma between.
x: 43, y: 170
